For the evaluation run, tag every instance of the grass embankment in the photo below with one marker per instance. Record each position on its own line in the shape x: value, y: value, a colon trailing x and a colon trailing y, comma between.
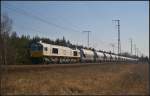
x: 102, y: 79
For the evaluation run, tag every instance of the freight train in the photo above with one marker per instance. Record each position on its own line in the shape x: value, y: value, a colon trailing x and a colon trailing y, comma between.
x: 47, y: 53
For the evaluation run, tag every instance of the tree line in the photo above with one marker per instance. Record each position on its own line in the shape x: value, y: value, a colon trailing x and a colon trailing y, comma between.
x: 15, y: 49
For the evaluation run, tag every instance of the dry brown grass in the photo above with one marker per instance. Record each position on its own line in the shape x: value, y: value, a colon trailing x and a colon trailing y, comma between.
x: 103, y: 79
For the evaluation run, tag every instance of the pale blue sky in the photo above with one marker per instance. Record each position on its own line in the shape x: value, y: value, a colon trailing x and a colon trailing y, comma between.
x: 77, y: 16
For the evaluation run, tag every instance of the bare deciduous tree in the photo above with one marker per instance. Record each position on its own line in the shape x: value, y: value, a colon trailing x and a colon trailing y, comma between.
x: 6, y: 26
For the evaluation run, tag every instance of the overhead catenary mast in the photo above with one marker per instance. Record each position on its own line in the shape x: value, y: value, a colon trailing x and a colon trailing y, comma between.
x: 113, y: 45
x: 135, y: 49
x: 131, y: 45
x: 88, y: 37
x: 119, y: 43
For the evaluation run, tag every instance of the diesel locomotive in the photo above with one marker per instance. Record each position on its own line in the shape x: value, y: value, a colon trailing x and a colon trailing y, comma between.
x: 50, y: 54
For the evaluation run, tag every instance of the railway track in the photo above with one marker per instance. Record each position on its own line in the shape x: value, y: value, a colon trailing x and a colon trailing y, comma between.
x: 48, y: 66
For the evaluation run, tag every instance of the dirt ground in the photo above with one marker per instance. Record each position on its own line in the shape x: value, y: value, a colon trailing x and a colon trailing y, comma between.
x: 75, y: 79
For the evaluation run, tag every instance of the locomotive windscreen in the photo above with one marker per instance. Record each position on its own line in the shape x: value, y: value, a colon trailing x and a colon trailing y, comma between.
x: 36, y: 47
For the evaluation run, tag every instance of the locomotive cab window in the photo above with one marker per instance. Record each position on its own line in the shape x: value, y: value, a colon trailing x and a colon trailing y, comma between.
x: 36, y: 47
x: 45, y: 48
x: 55, y: 50
x: 74, y: 53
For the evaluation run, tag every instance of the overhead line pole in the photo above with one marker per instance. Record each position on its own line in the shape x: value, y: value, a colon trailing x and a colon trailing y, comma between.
x: 137, y: 51
x: 135, y: 48
x: 119, y: 43
x: 113, y: 45
x: 88, y: 37
x: 131, y: 45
